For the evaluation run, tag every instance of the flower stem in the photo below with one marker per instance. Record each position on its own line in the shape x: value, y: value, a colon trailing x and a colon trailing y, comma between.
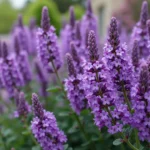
x: 130, y: 109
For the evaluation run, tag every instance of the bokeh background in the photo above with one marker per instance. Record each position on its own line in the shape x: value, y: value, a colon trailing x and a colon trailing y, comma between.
x: 127, y: 11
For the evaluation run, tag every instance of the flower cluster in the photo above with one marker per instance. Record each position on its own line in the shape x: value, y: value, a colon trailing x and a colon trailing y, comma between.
x: 74, y: 87
x: 140, y: 32
x: 48, y: 50
x: 45, y: 129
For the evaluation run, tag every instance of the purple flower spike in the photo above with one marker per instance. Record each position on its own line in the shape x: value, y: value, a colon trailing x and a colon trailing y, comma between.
x: 148, y: 26
x: 11, y: 76
x: 45, y: 21
x: 144, y: 14
x: 76, y: 58
x: 78, y: 34
x: 135, y: 55
x: 37, y: 107
x: 72, y: 17
x: 4, y: 50
x: 23, y: 62
x: 92, y: 46
x: 114, y: 34
x: 42, y: 78
x: 32, y: 24
x: 140, y: 32
x: 71, y: 68
x: 74, y: 87
x: 45, y: 128
x: 23, y: 107
x: 89, y: 22
x: 20, y: 21
x: 89, y: 8
x: 47, y: 46
x: 141, y: 104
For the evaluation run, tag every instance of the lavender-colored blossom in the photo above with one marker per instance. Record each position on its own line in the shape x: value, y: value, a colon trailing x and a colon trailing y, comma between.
x: 45, y: 129
x: 74, y: 87
x: 148, y: 27
x: 68, y: 34
x: 140, y: 32
x: 77, y: 59
x: 11, y: 76
x: 23, y: 108
x: 99, y: 91
x: 89, y: 22
x: 118, y: 62
x: 48, y: 50
x: 141, y: 105
x: 23, y: 61
x: 23, y: 35
x: 32, y: 34
x: 135, y: 55
x: 42, y: 78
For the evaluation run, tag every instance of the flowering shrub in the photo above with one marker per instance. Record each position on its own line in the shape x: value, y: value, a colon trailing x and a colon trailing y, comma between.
x: 104, y: 101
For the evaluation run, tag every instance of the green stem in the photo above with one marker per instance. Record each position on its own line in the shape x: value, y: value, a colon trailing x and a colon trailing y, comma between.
x: 128, y: 142
x: 31, y: 135
x: 137, y: 139
x: 130, y: 109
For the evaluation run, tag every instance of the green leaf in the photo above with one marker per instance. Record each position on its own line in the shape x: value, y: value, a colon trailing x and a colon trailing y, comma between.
x: 54, y: 89
x: 36, y: 148
x: 66, y: 146
x: 117, y: 142
x: 26, y: 132
x: 85, y: 144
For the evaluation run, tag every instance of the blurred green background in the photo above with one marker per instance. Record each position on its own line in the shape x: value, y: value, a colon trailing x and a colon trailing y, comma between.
x: 58, y: 10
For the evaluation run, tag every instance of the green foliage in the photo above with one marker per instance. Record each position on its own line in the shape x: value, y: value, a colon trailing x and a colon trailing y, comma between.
x: 34, y: 10
x: 7, y: 16
x: 63, y: 5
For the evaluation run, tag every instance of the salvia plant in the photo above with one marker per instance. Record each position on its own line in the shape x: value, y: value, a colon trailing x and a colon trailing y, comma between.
x: 102, y: 102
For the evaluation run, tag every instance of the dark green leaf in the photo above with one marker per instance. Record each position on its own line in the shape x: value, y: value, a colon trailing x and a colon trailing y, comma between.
x: 54, y: 89
x: 117, y: 142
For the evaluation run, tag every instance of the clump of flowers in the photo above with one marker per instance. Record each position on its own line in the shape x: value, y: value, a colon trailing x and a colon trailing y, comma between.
x: 140, y: 32
x: 74, y: 87
x: 44, y: 127
x: 11, y: 76
x: 48, y: 50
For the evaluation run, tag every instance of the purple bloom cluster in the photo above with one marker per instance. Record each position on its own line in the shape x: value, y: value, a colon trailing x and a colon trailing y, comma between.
x: 74, y: 87
x: 23, y: 108
x: 11, y: 76
x: 140, y: 32
x: 48, y: 50
x: 141, y: 104
x: 45, y: 129
x: 23, y: 62
x: 88, y: 22
x: 42, y: 78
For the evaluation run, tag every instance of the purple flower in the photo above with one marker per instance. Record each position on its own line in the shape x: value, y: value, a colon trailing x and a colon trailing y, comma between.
x: 99, y: 91
x: 78, y: 62
x: 23, y: 35
x: 42, y: 78
x: 140, y: 32
x: 23, y: 108
x: 11, y: 76
x: 89, y: 22
x: 45, y: 129
x: 135, y: 55
x: 74, y: 87
x: 23, y: 62
x: 48, y: 50
x: 141, y: 104
x: 68, y: 34
x: 32, y: 34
